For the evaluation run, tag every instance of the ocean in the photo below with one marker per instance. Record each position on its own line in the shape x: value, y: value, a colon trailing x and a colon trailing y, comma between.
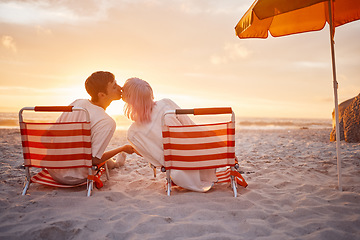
x: 11, y: 120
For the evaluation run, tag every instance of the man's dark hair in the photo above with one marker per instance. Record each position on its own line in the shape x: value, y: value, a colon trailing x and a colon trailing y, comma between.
x: 98, y: 82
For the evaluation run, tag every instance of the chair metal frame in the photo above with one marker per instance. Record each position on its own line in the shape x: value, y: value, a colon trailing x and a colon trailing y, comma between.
x: 90, y: 181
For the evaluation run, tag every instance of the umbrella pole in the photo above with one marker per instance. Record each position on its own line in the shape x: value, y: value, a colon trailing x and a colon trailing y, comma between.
x: 335, y: 85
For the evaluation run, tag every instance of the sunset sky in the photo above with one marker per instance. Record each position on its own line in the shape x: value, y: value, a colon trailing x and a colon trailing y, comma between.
x: 186, y: 49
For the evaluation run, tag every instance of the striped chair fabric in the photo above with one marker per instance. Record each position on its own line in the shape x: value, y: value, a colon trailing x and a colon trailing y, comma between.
x: 56, y: 146
x: 205, y: 146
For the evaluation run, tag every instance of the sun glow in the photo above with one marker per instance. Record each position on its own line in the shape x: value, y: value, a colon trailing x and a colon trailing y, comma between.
x: 115, y: 108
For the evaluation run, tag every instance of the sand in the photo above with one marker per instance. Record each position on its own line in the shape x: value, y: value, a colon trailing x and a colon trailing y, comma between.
x: 292, y: 194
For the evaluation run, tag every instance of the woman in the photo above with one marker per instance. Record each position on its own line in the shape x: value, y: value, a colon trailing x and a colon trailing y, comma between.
x: 145, y: 133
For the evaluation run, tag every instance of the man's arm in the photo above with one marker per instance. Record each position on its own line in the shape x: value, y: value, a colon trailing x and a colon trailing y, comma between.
x: 109, y: 154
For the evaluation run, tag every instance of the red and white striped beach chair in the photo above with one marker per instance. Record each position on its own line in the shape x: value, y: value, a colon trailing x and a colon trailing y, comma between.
x: 56, y: 145
x: 203, y: 146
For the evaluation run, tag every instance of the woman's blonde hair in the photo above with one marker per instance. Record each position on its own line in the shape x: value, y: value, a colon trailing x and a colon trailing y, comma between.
x: 139, y: 100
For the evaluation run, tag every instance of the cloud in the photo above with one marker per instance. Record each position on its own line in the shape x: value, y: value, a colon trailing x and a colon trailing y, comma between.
x: 44, y: 12
x: 211, y: 6
x: 236, y: 51
x: 231, y: 52
x: 216, y: 60
x: 43, y: 31
x: 33, y: 91
x: 8, y: 42
x: 312, y: 64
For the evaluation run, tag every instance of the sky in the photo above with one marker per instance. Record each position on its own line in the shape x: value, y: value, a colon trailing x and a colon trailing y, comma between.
x: 186, y: 49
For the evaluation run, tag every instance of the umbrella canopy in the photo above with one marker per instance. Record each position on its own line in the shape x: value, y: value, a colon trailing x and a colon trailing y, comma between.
x: 284, y: 17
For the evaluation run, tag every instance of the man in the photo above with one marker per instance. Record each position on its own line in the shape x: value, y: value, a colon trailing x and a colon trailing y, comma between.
x: 103, y: 89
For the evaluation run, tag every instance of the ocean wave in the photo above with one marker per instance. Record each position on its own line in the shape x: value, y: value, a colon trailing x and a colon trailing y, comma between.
x: 285, y: 123
x: 9, y: 122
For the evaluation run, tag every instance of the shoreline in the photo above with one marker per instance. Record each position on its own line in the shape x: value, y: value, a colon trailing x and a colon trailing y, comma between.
x: 10, y: 120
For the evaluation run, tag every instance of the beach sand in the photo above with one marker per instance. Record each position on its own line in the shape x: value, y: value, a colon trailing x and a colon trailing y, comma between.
x: 292, y: 194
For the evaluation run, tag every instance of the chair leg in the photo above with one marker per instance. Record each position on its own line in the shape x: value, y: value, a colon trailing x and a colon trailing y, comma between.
x: 90, y: 186
x: 90, y: 183
x: 233, y: 183
x: 107, y: 171
x: 26, y: 187
x: 27, y: 181
x: 168, y: 179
